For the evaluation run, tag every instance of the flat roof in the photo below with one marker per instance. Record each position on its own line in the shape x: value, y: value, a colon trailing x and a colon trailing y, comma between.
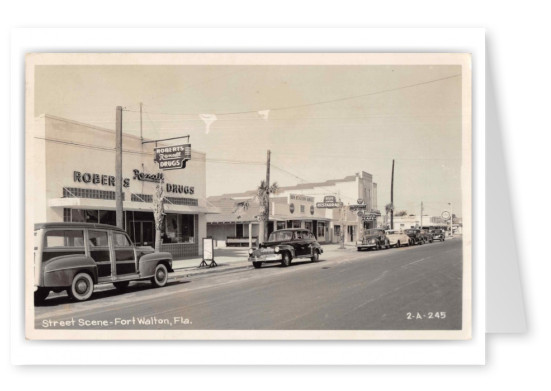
x: 76, y: 225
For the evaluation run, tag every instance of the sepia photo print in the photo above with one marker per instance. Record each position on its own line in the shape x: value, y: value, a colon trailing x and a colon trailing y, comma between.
x: 248, y: 196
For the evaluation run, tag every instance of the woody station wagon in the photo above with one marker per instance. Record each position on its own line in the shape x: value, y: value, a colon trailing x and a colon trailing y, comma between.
x: 76, y: 256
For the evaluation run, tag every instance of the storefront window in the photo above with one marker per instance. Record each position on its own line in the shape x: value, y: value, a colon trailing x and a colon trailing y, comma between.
x: 108, y: 217
x: 90, y: 216
x: 281, y: 225
x: 84, y: 216
x: 179, y: 228
x: 296, y: 224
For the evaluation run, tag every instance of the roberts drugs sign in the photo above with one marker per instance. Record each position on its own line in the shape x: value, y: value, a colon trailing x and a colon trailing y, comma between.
x: 174, y: 157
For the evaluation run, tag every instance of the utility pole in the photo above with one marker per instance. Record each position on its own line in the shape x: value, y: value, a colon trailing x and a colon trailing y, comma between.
x: 451, y: 219
x: 267, y: 197
x: 118, y: 168
x: 421, y: 214
x: 141, y: 124
x: 392, y: 197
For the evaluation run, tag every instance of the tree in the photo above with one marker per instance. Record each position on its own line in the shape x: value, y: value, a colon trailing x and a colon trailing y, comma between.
x: 240, y: 207
x: 263, y: 198
x: 158, y: 212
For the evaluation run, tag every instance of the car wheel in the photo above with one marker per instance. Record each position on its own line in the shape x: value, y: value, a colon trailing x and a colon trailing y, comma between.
x: 316, y: 256
x: 286, y: 261
x: 121, y: 285
x: 40, y: 295
x: 398, y: 244
x: 257, y: 265
x: 160, y: 278
x: 81, y: 288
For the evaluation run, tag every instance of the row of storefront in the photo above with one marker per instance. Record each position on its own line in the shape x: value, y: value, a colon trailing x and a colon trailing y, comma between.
x: 74, y: 181
x: 300, y: 206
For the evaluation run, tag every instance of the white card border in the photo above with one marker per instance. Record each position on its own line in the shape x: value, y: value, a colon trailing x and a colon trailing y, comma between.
x: 247, y: 352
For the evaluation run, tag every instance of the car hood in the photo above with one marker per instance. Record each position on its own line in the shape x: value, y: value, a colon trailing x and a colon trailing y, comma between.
x: 272, y: 244
x: 371, y: 237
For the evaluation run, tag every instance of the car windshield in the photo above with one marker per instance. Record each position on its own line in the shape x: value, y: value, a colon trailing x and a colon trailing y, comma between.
x: 373, y: 232
x: 280, y: 236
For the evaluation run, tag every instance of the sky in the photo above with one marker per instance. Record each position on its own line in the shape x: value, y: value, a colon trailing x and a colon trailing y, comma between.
x: 325, y: 122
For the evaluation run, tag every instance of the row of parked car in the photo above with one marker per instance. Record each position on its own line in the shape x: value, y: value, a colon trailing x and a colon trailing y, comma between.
x: 376, y: 238
x: 283, y: 246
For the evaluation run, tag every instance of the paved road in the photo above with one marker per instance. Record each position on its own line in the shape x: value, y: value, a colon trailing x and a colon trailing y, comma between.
x: 396, y: 289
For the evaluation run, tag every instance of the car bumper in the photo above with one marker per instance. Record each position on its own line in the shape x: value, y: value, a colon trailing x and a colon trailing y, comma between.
x: 266, y: 258
x: 370, y: 245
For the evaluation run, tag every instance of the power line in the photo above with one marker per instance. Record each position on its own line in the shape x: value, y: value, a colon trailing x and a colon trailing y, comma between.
x: 321, y: 102
x: 111, y: 149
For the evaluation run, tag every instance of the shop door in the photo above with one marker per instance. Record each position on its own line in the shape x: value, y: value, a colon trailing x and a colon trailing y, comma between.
x: 351, y: 233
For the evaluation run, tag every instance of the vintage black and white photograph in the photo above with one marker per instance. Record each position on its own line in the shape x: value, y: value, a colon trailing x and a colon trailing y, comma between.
x: 248, y: 196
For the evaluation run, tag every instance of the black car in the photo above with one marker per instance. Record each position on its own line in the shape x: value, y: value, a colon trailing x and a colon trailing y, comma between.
x: 374, y: 238
x: 415, y: 236
x: 285, y: 245
x: 439, y: 234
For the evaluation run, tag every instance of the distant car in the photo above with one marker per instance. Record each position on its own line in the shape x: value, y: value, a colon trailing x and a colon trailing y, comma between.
x: 397, y: 238
x: 374, y: 238
x: 76, y: 256
x: 439, y: 234
x: 285, y: 245
x: 426, y: 235
x: 415, y: 236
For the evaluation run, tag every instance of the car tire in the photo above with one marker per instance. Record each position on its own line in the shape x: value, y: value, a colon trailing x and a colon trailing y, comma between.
x: 160, y: 277
x: 121, y: 285
x: 40, y: 295
x: 81, y: 288
x: 398, y: 244
x: 316, y: 256
x: 257, y: 265
x: 286, y: 261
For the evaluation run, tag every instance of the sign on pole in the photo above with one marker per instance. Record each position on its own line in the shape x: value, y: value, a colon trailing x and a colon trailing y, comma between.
x: 173, y: 157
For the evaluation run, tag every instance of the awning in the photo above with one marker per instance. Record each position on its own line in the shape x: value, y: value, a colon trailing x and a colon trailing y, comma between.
x: 92, y: 203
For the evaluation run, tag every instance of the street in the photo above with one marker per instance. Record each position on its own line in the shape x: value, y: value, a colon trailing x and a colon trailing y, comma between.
x: 417, y: 288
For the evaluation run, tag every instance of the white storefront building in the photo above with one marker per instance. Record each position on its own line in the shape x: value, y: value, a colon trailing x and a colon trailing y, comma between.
x: 74, y: 180
x: 297, y: 207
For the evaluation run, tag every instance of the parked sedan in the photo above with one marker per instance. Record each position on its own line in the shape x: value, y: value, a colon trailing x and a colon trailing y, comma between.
x: 373, y: 239
x: 439, y: 234
x: 415, y: 236
x: 285, y: 245
x: 397, y: 238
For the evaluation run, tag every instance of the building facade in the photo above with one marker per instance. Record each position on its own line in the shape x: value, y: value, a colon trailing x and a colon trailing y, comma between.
x: 74, y: 166
x: 297, y: 207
